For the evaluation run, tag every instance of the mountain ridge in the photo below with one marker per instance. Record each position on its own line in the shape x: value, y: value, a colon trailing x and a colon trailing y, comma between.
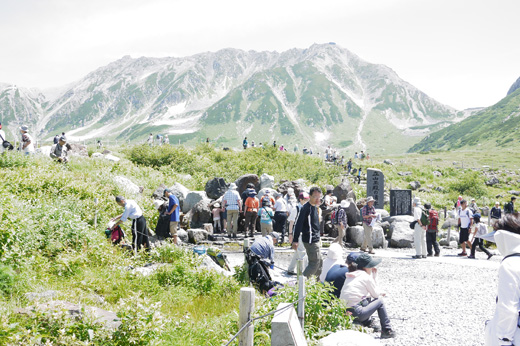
x: 324, y: 93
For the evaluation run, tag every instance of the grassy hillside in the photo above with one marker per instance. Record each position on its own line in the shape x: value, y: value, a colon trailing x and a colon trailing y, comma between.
x: 493, y: 127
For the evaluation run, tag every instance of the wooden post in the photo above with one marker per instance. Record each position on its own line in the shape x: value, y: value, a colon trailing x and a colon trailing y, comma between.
x: 246, y: 308
x: 95, y: 212
x: 301, y: 292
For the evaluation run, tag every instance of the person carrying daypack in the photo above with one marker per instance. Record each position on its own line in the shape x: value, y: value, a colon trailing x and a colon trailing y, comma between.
x: 509, y: 208
x: 339, y: 219
x: 431, y: 231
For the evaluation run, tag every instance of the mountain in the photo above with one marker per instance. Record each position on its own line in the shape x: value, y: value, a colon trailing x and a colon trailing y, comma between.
x: 495, y: 126
x: 19, y: 106
x: 311, y: 97
x: 516, y: 85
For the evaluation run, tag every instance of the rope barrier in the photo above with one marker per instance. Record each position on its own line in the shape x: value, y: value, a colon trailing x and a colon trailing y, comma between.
x: 260, y: 317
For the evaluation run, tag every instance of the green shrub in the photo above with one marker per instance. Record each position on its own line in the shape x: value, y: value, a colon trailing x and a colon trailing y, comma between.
x: 7, y: 277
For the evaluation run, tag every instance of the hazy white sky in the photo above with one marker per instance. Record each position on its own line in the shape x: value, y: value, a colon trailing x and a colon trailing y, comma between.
x: 462, y: 53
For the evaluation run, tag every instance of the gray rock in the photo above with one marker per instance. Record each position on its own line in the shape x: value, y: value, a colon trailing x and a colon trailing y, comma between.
x: 484, y: 211
x: 195, y: 236
x: 430, y: 186
x: 30, y: 296
x: 266, y: 181
x: 399, y: 218
x: 180, y: 191
x: 401, y: 235
x: 383, y: 213
x: 388, y: 162
x: 437, y: 173
x: 126, y: 185
x: 112, y: 158
x: 159, y: 192
x: 453, y: 222
x: 246, y: 179
x: 193, y: 198
x: 422, y: 189
x: 404, y: 174
x: 514, y: 192
x: 352, y: 211
x: 357, y: 235
x: 499, y: 196
x: 493, y: 181
x: 414, y: 185
x: 183, y: 235
x: 344, y: 191
x: 297, y: 185
x: 385, y: 225
x: 200, y: 214
x: 348, y: 338
x: 439, y: 189
x: 215, y: 188
x: 106, y: 151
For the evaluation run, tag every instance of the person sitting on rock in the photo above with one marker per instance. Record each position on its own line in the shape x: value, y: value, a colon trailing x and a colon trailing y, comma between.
x: 362, y: 296
x: 334, y: 256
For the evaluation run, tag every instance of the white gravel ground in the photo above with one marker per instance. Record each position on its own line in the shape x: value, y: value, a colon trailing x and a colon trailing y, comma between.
x: 435, y: 301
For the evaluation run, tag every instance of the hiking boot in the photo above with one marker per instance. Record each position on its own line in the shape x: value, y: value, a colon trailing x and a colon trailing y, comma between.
x: 387, y: 334
x: 471, y: 256
x: 291, y: 272
x: 462, y: 254
x: 371, y: 252
x: 423, y: 256
x: 490, y: 255
x: 437, y: 254
x: 362, y: 250
x: 430, y: 255
x: 416, y: 256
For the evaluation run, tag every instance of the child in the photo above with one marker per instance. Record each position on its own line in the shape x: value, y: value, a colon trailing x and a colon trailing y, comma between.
x: 216, y: 217
x: 479, y: 231
x: 266, y: 215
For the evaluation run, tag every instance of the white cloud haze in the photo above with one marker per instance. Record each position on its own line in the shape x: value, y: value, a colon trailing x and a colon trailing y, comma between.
x: 462, y: 53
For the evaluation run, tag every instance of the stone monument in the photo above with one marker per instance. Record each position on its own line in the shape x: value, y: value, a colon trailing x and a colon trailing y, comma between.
x: 376, y: 186
x: 400, y: 202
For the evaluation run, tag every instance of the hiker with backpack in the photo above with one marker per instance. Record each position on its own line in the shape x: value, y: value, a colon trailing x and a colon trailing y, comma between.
x: 479, y: 231
x: 368, y: 214
x: 431, y: 231
x: 251, y: 212
x: 420, y: 217
x: 264, y: 247
x: 280, y: 216
x: 339, y: 220
x: 266, y: 215
x: 503, y: 328
x: 359, y: 176
x: 465, y: 222
x: 300, y: 253
x: 509, y: 208
x: 244, y: 143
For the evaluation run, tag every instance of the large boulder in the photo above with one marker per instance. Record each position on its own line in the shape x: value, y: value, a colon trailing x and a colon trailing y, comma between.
x: 246, y: 179
x: 193, y: 198
x: 216, y: 187
x: 404, y: 174
x: 349, y: 338
x: 356, y: 234
x: 353, y: 216
x: 266, y: 181
x: 159, y: 192
x: 195, y: 236
x: 399, y: 218
x: 493, y: 181
x: 78, y: 149
x: 383, y: 213
x: 484, y: 211
x: 182, y: 235
x: 126, y: 185
x: 200, y: 214
x: 388, y: 162
x: 450, y: 222
x: 344, y: 191
x: 180, y: 191
x: 514, y: 192
x: 297, y: 185
x: 401, y: 235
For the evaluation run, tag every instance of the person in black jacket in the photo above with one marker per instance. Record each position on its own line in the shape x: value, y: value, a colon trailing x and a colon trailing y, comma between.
x: 496, y: 212
x: 308, y: 224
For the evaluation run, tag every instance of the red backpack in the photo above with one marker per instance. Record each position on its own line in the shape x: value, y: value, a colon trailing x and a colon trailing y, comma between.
x: 434, y: 219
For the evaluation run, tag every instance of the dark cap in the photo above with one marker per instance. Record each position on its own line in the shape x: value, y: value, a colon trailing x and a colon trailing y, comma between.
x: 166, y: 190
x: 352, y: 257
x: 365, y: 261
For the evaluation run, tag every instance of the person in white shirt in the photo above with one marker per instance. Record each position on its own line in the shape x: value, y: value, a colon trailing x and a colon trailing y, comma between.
x: 419, y: 233
x: 300, y: 252
x: 362, y: 296
x: 502, y: 329
x: 139, y: 229
x: 465, y: 223
x: 280, y: 216
x: 26, y: 145
x: 232, y: 203
x: 334, y: 256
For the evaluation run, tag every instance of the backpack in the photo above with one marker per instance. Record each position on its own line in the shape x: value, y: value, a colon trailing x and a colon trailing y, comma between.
x: 335, y: 216
x: 434, y: 219
x: 258, y: 272
x: 508, y: 208
x: 425, y: 221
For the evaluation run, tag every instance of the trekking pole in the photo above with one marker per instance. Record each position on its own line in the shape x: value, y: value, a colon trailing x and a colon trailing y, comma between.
x: 301, y: 292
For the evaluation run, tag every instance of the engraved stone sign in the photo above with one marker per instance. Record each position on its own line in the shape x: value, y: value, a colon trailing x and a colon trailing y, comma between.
x: 376, y: 186
x: 400, y: 202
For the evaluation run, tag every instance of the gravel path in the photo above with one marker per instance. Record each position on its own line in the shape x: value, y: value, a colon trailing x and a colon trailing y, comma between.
x: 435, y: 301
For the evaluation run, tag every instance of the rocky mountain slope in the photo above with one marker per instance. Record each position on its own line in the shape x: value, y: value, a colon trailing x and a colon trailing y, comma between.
x: 311, y: 97
x: 495, y: 126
